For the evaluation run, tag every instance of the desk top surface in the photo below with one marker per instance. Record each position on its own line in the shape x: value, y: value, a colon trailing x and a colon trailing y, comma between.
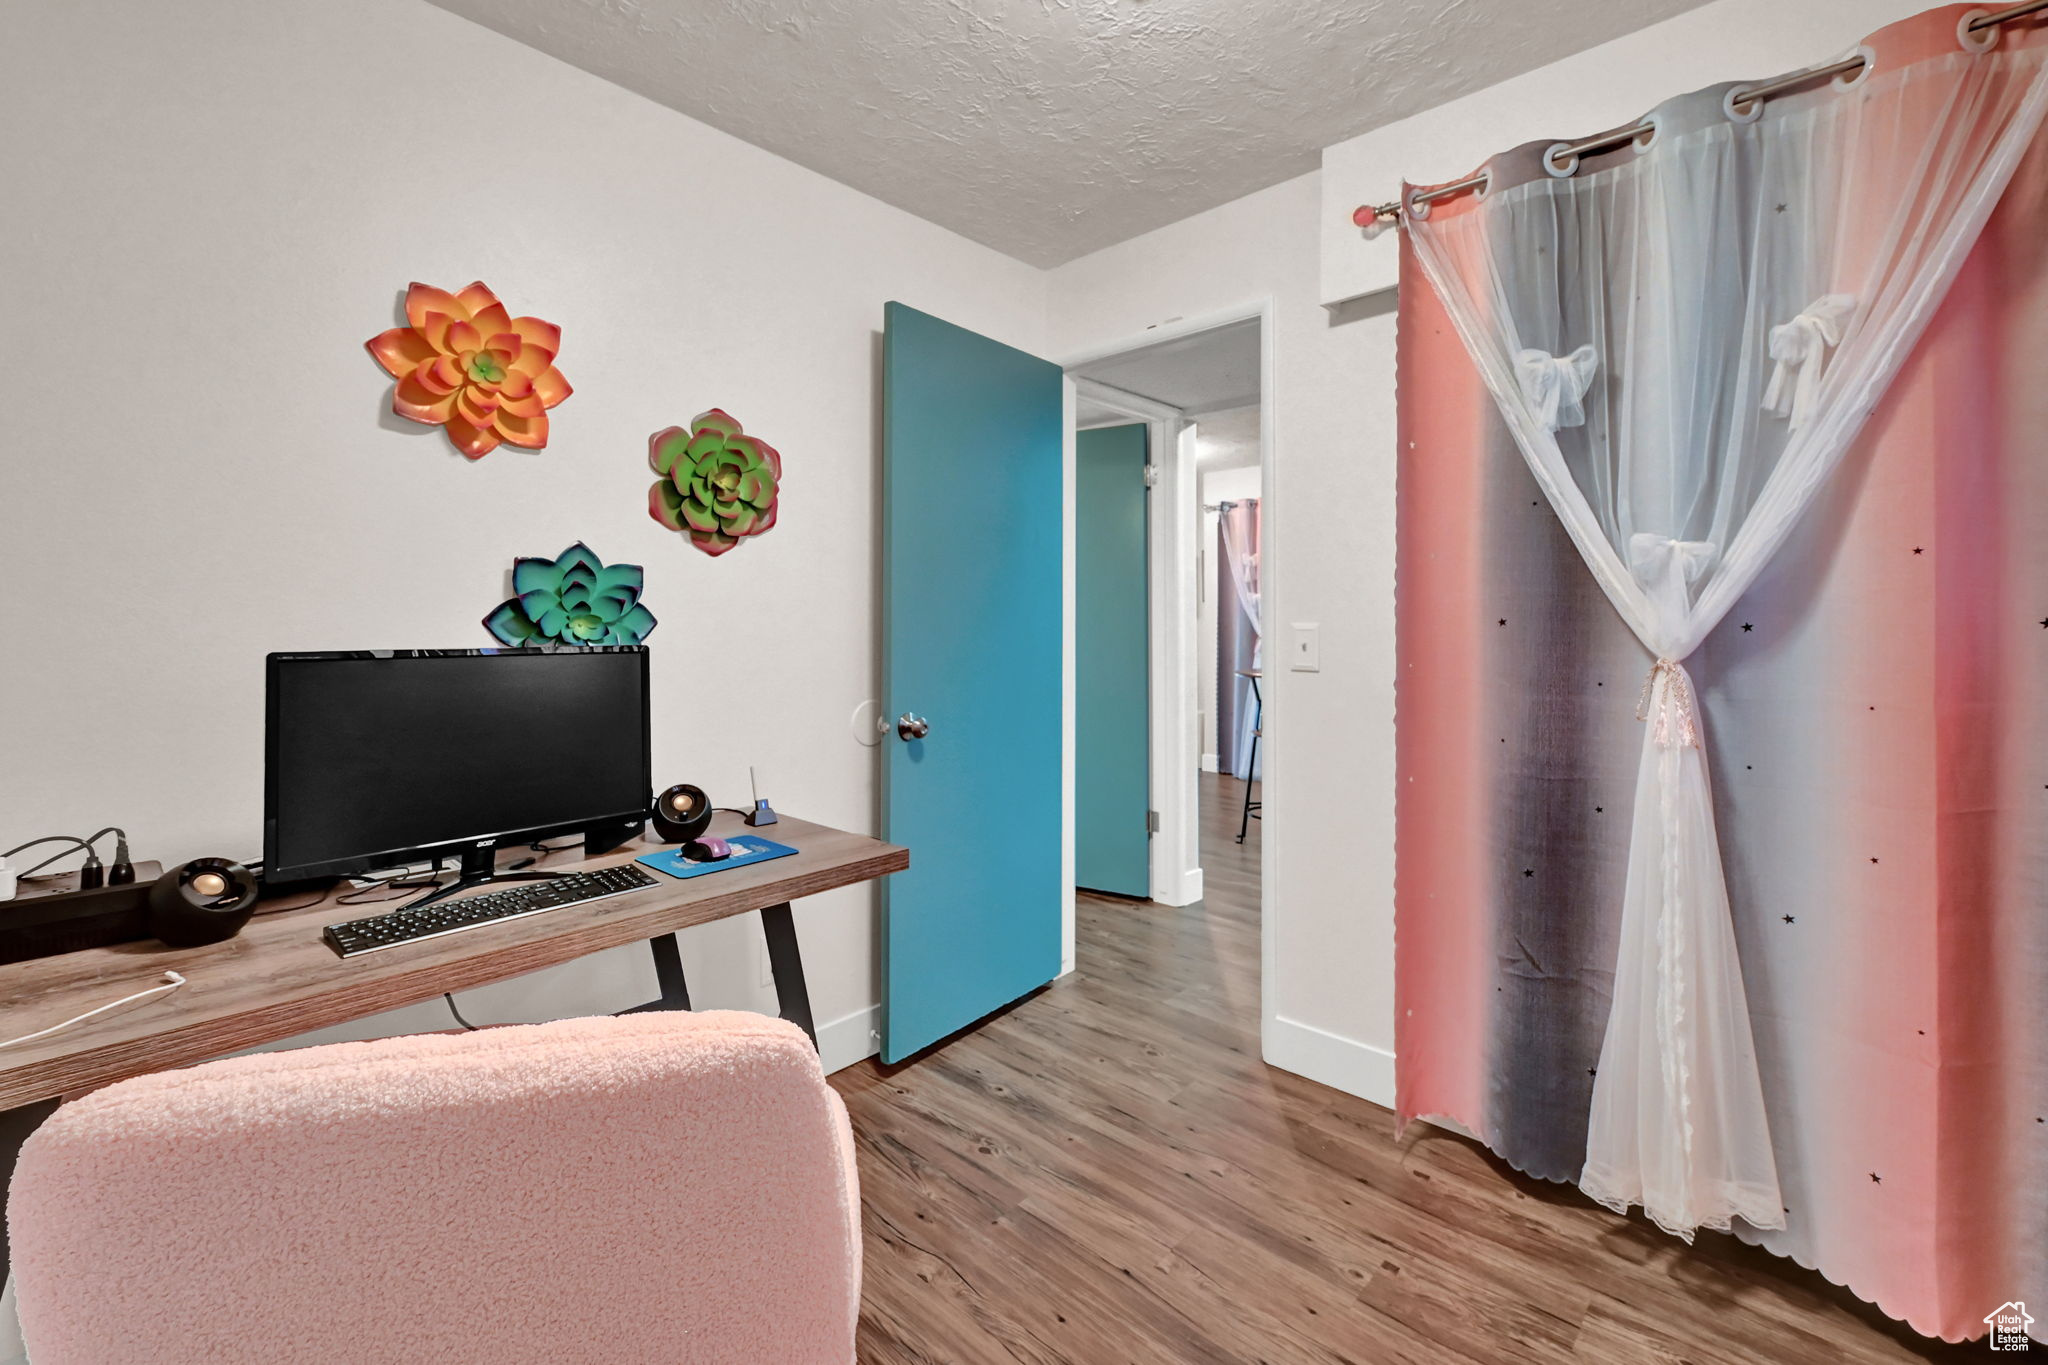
x: 278, y: 977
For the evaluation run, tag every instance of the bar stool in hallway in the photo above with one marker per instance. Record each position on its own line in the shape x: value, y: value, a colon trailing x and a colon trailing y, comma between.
x: 1251, y: 807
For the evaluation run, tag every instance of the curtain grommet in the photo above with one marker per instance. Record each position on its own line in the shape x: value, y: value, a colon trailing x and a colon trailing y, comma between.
x: 1748, y: 112
x: 1653, y: 129
x: 1976, y: 40
x: 1560, y: 171
x: 1413, y: 205
x: 1485, y: 184
x: 1862, y: 73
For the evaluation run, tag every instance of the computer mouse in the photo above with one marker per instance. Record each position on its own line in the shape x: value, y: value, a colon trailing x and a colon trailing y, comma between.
x: 709, y: 850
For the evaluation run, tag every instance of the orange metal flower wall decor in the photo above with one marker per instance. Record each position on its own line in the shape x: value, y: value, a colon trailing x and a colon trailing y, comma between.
x: 468, y: 366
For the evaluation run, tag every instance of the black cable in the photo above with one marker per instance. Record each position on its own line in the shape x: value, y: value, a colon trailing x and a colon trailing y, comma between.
x: 72, y: 839
x: 92, y: 854
x: 456, y: 1012
x: 46, y: 839
x: 538, y: 847
x: 393, y: 882
x: 322, y: 894
x: 360, y: 895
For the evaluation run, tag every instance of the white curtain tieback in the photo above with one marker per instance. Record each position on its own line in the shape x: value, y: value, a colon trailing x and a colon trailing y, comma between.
x: 1666, y: 566
x: 1556, y: 385
x: 1667, y: 701
x: 1799, y: 347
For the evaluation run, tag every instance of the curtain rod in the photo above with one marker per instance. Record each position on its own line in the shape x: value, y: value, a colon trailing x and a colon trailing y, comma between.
x: 1565, y: 155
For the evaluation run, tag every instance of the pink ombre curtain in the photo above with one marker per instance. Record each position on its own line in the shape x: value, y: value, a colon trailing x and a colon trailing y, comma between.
x: 1874, y: 712
x: 1238, y: 631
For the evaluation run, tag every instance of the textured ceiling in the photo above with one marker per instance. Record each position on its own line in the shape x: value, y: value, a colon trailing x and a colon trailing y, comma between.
x: 1050, y: 128
x: 1210, y: 370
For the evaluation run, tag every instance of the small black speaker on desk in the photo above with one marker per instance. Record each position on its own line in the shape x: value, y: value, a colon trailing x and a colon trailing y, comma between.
x: 681, y: 814
x: 203, y: 901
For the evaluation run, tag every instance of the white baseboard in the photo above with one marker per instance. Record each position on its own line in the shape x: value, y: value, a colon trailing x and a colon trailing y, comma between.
x: 1341, y: 1063
x: 849, y: 1038
x: 1209, y: 762
x: 1185, y: 889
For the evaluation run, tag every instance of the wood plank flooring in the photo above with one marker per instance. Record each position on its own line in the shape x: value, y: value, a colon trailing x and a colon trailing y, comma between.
x: 1107, y: 1173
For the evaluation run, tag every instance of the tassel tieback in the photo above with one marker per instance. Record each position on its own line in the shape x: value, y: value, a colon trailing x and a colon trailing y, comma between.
x: 1668, y: 702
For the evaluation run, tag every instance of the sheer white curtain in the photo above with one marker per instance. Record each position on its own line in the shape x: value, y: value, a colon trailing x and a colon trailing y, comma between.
x: 1684, y: 342
x: 1241, y: 554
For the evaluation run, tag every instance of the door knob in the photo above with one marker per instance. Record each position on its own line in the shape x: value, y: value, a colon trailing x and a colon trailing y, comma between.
x: 910, y: 726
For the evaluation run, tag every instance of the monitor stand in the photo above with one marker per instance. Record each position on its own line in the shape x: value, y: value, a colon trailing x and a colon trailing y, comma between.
x: 479, y: 866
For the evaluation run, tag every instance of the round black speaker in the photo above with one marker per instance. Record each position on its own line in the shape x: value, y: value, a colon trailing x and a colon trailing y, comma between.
x: 680, y: 814
x: 203, y: 901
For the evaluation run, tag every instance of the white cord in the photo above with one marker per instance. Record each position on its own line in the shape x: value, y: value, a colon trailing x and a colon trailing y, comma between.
x: 171, y: 982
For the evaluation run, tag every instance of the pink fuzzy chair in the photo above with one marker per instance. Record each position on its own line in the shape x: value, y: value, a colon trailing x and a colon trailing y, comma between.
x: 664, y: 1187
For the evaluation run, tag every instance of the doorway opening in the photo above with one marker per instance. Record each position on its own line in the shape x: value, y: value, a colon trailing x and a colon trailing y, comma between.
x: 1183, y: 417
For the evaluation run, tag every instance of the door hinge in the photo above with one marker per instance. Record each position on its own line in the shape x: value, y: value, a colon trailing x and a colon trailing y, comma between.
x: 1151, y: 822
x: 1151, y: 476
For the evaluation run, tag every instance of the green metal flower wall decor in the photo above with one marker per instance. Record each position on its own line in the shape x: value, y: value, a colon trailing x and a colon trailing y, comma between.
x: 574, y: 599
x: 718, y: 485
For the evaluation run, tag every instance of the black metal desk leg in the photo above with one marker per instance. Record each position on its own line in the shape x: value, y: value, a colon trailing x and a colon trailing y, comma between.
x: 792, y: 998
x: 15, y: 1126
x: 668, y: 974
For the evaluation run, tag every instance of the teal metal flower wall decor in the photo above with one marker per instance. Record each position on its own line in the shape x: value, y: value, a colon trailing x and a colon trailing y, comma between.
x: 574, y: 599
x: 718, y: 485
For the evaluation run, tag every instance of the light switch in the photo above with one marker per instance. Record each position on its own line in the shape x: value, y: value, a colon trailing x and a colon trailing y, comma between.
x: 1305, y: 647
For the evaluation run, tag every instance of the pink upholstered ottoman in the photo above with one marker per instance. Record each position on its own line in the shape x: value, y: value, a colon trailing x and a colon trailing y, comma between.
x: 658, y: 1188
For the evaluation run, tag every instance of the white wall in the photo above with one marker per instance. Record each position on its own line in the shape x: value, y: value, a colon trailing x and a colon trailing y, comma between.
x: 1329, y: 738
x: 210, y: 207
x: 1230, y: 485
x: 1329, y: 516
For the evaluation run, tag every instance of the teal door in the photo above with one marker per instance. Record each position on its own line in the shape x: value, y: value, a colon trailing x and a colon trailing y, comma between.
x: 1112, y: 665
x: 972, y: 457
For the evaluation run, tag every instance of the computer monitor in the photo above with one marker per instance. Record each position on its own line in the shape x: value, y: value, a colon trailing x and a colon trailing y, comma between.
x: 379, y: 758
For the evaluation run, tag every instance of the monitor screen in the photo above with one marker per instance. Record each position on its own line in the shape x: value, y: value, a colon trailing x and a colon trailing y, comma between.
x: 375, y: 755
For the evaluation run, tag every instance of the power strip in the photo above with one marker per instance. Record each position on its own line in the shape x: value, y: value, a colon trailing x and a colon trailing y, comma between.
x: 50, y: 915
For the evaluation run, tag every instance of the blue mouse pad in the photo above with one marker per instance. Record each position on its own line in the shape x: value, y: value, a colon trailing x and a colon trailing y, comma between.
x: 746, y: 849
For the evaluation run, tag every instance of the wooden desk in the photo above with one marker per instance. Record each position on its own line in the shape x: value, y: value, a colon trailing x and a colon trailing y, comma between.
x: 279, y: 978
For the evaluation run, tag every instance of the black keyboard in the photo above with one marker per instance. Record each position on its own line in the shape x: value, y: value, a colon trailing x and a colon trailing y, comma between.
x: 410, y: 924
